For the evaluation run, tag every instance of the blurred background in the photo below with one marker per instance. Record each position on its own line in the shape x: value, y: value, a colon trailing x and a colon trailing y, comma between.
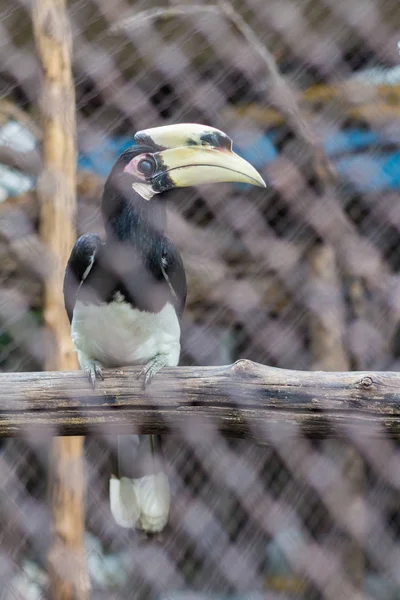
x: 302, y: 275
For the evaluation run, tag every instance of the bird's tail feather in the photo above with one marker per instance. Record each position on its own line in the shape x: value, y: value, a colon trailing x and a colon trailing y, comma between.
x: 140, y: 493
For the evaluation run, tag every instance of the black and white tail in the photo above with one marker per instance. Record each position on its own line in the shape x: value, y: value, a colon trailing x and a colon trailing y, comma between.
x: 139, y: 490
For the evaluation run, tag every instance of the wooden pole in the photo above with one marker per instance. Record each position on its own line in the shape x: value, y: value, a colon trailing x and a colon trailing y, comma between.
x: 327, y: 315
x: 57, y: 194
x: 327, y: 333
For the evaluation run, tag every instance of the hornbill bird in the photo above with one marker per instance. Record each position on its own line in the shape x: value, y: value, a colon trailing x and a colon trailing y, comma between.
x: 125, y: 294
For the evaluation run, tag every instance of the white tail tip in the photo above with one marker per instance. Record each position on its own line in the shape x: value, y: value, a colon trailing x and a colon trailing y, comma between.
x: 123, y: 503
x: 142, y: 502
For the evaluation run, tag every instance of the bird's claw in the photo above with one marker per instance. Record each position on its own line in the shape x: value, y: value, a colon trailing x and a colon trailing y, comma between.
x: 153, y: 366
x: 94, y: 371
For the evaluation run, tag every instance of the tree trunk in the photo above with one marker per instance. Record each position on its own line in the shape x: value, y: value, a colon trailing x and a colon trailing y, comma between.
x: 327, y: 326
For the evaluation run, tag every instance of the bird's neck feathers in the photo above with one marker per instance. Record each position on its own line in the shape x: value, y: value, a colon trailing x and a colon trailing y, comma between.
x: 129, y: 217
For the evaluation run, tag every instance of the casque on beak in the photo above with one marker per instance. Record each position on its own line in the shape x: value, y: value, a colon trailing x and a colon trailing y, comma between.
x: 183, y: 134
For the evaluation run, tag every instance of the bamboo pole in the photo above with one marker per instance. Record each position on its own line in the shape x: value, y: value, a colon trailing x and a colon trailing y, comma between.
x: 57, y: 194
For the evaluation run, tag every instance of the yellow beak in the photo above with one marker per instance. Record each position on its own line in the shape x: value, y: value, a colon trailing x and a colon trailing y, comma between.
x: 195, y: 165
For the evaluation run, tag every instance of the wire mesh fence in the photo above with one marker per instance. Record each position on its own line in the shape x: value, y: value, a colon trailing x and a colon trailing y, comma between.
x: 302, y: 275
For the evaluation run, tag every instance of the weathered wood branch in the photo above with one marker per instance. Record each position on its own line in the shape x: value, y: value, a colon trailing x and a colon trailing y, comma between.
x: 243, y: 399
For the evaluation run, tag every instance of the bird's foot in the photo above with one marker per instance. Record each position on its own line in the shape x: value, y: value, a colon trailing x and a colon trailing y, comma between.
x: 153, y: 366
x: 94, y: 371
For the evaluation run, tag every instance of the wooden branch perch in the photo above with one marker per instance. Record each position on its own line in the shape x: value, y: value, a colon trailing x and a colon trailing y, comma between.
x: 245, y: 399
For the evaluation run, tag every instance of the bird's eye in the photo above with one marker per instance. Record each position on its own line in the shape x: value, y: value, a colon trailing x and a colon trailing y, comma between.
x: 147, y: 166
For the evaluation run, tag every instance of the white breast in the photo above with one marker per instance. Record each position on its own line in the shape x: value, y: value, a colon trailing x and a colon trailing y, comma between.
x: 117, y: 335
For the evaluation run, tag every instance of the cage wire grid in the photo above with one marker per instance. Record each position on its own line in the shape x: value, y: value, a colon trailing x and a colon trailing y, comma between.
x: 290, y: 276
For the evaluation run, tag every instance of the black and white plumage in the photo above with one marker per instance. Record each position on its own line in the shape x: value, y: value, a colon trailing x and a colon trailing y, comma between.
x: 126, y: 306
x: 125, y: 295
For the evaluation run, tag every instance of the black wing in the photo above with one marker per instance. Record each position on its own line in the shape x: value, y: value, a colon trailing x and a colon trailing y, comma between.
x: 81, y: 261
x: 173, y: 272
